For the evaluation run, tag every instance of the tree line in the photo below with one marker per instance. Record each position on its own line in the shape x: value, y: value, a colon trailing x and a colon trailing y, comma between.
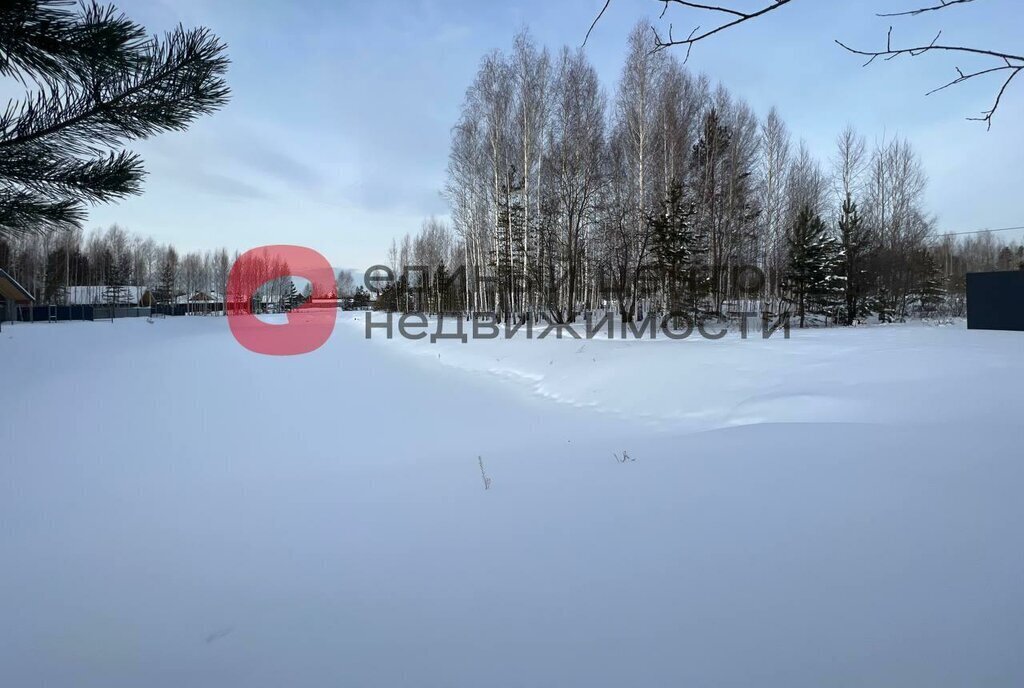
x: 670, y: 195
x: 49, y: 265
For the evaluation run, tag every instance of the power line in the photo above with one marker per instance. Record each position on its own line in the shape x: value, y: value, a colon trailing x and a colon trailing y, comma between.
x: 976, y: 231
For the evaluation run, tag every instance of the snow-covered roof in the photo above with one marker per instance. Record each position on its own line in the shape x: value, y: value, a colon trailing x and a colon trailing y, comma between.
x: 201, y: 297
x: 241, y: 298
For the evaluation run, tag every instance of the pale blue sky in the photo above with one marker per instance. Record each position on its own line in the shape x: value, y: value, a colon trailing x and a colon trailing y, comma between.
x: 337, y: 134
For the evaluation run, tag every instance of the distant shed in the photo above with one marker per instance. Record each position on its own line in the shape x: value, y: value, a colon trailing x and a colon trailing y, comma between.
x: 12, y: 295
x: 995, y: 300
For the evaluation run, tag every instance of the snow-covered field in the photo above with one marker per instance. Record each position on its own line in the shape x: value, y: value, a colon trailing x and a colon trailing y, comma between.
x: 840, y: 509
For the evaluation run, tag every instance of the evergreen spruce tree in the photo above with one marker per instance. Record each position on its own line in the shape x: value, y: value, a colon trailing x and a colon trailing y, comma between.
x: 883, y: 305
x: 56, y: 275
x: 930, y: 292
x: 1005, y: 259
x: 709, y: 170
x: 675, y: 245
x: 387, y: 298
x: 829, y: 295
x: 116, y: 278
x: 100, y: 83
x: 855, y: 242
x: 165, y: 292
x: 291, y: 297
x: 361, y: 299
x: 814, y: 263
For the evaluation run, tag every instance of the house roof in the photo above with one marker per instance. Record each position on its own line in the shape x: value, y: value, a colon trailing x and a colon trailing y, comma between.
x: 201, y: 297
x: 11, y: 290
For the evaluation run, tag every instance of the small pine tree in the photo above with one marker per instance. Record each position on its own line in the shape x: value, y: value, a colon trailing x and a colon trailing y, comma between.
x: 117, y: 278
x: 814, y: 263
x: 855, y: 241
x: 361, y: 299
x: 930, y: 292
x: 290, y: 299
x: 884, y: 306
x: 165, y: 292
x: 675, y: 243
x: 387, y: 298
x: 1005, y: 259
x: 829, y: 294
x: 56, y: 275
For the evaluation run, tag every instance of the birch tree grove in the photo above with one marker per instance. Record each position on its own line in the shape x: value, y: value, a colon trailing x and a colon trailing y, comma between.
x: 664, y: 194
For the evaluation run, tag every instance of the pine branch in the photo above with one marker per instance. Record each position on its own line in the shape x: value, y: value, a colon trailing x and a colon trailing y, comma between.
x: 99, y: 180
x: 174, y: 82
x: 100, y: 83
x: 23, y: 212
x: 42, y: 40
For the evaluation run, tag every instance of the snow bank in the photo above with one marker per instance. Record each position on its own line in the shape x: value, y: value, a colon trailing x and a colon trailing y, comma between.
x: 880, y: 374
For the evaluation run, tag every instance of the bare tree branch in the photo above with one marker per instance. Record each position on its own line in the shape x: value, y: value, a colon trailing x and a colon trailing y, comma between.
x: 740, y: 17
x: 1013, y: 64
x: 696, y: 35
x: 597, y: 19
x: 698, y: 6
x: 1010, y: 64
x: 988, y: 114
x: 913, y: 13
